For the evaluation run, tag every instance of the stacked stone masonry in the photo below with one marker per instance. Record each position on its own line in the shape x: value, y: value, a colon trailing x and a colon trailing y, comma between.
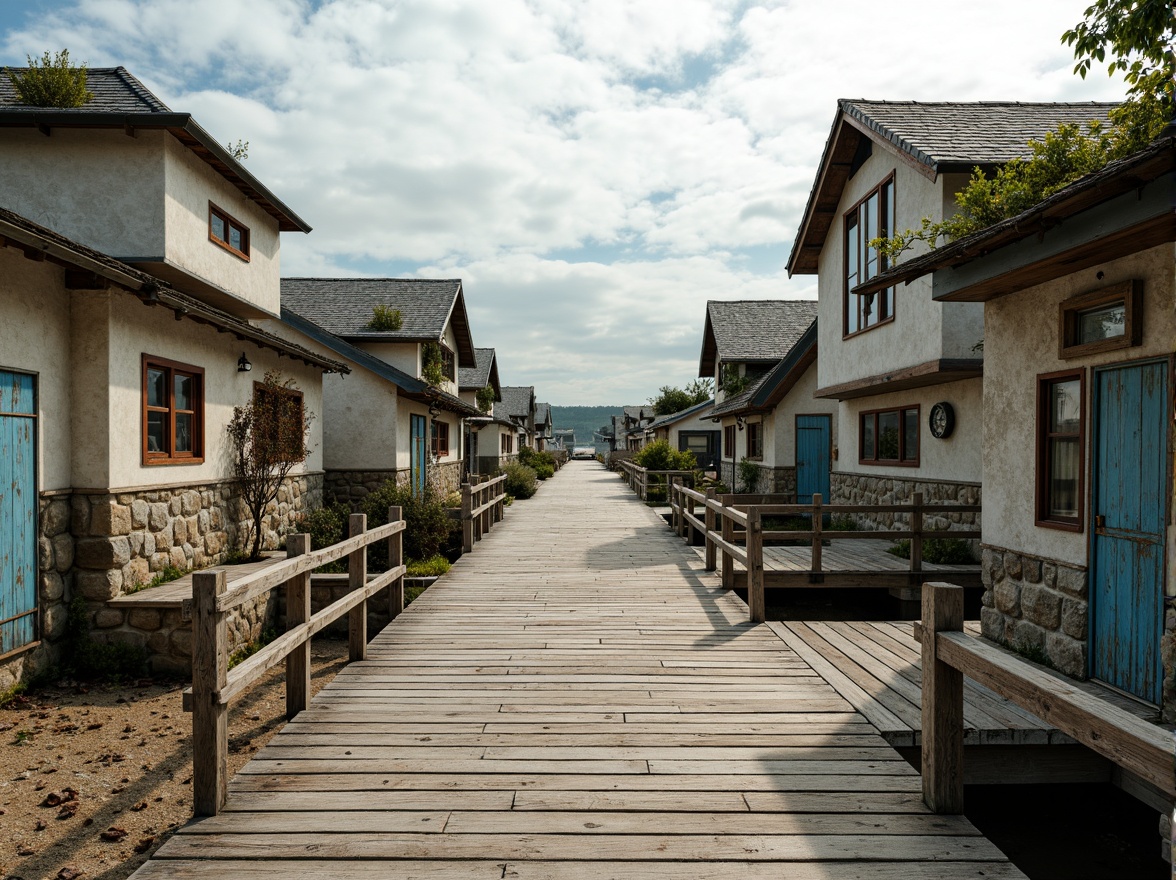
x: 865, y: 489
x: 1038, y: 607
x: 351, y: 487
x: 772, y: 481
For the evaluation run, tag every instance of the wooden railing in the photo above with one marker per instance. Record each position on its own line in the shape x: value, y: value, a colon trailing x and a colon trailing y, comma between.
x: 734, y: 527
x: 482, y: 505
x: 215, y: 686
x: 641, y: 480
x: 1138, y: 747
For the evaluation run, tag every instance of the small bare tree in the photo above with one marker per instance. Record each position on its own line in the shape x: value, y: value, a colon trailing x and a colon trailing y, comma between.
x: 269, y: 436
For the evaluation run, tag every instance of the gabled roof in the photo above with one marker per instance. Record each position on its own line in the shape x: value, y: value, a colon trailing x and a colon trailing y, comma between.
x: 483, y: 373
x: 752, y: 331
x: 122, y: 102
x: 96, y: 270
x: 934, y: 138
x: 516, y: 403
x: 543, y: 414
x: 407, y: 386
x: 697, y: 410
x: 343, y: 306
x: 766, y: 393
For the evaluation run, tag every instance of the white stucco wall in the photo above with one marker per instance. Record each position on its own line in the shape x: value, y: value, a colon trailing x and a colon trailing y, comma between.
x: 782, y: 423
x: 190, y: 185
x: 922, y: 330
x: 404, y: 356
x: 35, y: 338
x: 957, y: 459
x: 100, y: 188
x: 1021, y: 343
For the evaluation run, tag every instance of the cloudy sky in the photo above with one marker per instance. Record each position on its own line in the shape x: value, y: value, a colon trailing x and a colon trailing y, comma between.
x: 594, y: 170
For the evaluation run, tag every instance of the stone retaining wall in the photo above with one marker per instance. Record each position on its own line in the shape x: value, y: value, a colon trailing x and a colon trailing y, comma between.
x: 847, y: 488
x: 772, y: 481
x: 1037, y: 607
x: 351, y: 487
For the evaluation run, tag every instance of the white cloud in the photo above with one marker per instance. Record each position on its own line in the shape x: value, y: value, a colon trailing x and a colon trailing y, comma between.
x: 502, y: 140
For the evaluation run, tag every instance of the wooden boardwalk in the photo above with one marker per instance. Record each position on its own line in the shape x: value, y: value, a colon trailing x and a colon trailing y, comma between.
x: 576, y: 699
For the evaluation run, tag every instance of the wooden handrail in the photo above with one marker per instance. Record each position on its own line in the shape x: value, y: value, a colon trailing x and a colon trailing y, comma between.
x: 948, y: 655
x: 214, y: 687
x: 482, y: 505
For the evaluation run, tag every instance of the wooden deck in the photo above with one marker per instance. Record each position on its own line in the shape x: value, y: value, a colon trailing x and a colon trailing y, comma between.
x: 577, y: 699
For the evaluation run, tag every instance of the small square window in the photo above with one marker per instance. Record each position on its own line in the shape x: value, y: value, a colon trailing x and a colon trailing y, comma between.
x: 173, y: 412
x: 1101, y: 320
x: 228, y: 232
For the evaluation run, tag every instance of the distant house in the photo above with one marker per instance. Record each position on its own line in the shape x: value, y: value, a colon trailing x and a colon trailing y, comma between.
x: 690, y: 430
x: 1079, y: 304
x: 486, y: 449
x: 135, y: 259
x: 905, y: 369
x: 543, y: 428
x: 742, y: 342
x: 564, y: 438
x: 419, y: 432
x: 518, y: 407
x: 628, y: 427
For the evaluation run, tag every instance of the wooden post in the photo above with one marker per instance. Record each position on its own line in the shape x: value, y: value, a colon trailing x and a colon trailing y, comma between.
x: 357, y: 580
x: 917, y: 535
x: 755, y: 565
x: 210, y: 669
x: 486, y: 517
x: 818, y: 524
x: 395, y: 558
x: 297, y: 612
x: 688, y: 524
x: 467, y: 518
x: 943, y: 703
x: 709, y: 519
x: 727, y: 528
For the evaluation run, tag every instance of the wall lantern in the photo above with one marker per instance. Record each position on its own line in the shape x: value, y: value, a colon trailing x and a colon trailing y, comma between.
x: 739, y: 422
x: 434, y: 412
x: 243, y: 365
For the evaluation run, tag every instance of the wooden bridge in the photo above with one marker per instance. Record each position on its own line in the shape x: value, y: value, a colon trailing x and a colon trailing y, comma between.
x: 578, y: 699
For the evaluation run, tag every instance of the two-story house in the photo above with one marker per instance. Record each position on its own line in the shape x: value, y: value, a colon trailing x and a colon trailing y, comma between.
x: 137, y: 257
x: 486, y: 448
x: 906, y: 370
x: 417, y: 433
x: 543, y: 427
x: 518, y: 407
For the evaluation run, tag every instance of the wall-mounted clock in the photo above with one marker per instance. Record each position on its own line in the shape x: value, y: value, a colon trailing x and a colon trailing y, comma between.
x: 942, y: 420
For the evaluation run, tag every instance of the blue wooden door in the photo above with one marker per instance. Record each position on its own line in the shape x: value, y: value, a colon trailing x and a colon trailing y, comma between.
x: 420, y: 453
x: 812, y: 457
x: 18, y: 511
x: 1129, y: 476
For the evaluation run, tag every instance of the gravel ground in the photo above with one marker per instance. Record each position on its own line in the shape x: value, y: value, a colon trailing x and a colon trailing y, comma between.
x: 93, y: 778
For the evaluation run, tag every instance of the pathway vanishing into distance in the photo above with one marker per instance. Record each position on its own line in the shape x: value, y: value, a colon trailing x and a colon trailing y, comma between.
x: 578, y: 699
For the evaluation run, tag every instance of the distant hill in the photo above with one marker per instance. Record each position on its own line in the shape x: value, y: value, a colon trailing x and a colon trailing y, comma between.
x: 584, y: 420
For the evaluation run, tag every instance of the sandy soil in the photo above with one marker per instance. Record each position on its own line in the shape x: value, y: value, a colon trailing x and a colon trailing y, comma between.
x: 93, y: 778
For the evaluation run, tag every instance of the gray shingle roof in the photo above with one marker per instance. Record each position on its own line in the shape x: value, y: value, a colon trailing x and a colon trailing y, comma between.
x: 115, y: 90
x: 748, y: 331
x: 967, y: 134
x: 477, y: 377
x: 690, y: 412
x: 543, y: 414
x: 343, y: 306
x: 516, y: 402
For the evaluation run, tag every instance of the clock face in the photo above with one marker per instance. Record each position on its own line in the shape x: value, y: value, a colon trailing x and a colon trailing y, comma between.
x: 942, y: 420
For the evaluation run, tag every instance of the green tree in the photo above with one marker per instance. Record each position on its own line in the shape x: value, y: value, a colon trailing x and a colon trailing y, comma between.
x: 51, y: 82
x: 1139, y: 36
x: 670, y: 400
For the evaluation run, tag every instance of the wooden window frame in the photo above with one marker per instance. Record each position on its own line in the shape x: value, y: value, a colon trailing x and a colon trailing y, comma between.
x: 759, y: 440
x: 287, y: 392
x: 729, y: 442
x: 440, y: 435
x: 1041, y: 514
x: 170, y: 456
x: 1130, y: 293
x: 847, y: 296
x: 229, y: 220
x: 890, y: 462
x: 448, y: 363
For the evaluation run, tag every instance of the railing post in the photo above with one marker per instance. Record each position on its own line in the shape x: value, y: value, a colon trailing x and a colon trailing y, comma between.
x: 709, y: 518
x: 210, y: 669
x: 297, y: 613
x: 467, y: 518
x: 357, y: 580
x: 943, y: 703
x: 818, y: 524
x: 917, y: 534
x: 727, y: 528
x: 395, y: 558
x: 755, y: 565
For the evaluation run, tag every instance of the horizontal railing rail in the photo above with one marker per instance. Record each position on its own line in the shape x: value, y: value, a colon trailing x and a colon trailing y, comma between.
x: 215, y: 686
x: 482, y: 505
x: 641, y: 479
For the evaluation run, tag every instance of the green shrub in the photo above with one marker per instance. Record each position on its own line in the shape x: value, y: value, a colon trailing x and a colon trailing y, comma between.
x: 51, y: 82
x: 661, y: 456
x: 85, y: 658
x: 453, y: 499
x: 385, y: 318
x: 543, y: 470
x: 521, y: 481
x: 938, y: 551
x: 326, y: 526
x: 427, y: 524
x: 432, y: 370
x: 543, y: 463
x: 433, y: 567
x: 749, y: 474
x: 485, y: 398
x: 841, y: 522
x: 250, y: 648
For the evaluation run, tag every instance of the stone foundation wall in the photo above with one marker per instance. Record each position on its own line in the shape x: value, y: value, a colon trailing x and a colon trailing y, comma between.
x: 772, y: 481
x: 1168, y: 658
x: 865, y: 489
x: 351, y: 487
x: 1037, y: 607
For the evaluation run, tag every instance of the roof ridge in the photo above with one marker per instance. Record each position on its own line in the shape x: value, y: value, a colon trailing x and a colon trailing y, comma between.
x: 998, y: 103
x: 136, y: 85
x: 368, y: 278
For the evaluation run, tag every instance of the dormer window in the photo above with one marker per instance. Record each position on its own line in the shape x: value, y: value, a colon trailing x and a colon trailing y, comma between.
x: 226, y: 231
x: 872, y: 217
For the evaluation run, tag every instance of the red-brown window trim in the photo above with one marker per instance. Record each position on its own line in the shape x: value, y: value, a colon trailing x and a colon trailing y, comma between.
x: 759, y: 436
x: 229, y: 220
x: 169, y: 455
x: 1069, y: 311
x: 507, y: 445
x: 890, y: 462
x: 448, y: 363
x: 440, y: 438
x: 846, y: 296
x: 259, y: 387
x: 729, y: 442
x: 1041, y: 516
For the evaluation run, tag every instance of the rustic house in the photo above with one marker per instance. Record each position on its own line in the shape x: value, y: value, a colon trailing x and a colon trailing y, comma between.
x: 689, y: 430
x: 486, y: 446
x: 518, y: 408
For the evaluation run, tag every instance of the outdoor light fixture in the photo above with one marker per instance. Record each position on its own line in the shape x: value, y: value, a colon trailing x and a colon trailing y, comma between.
x: 434, y: 412
x: 739, y: 422
x: 243, y: 365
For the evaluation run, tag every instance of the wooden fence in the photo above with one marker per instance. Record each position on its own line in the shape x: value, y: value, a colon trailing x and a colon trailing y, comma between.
x: 482, y: 505
x: 641, y: 480
x: 734, y: 527
x: 1142, y: 749
x: 215, y: 687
